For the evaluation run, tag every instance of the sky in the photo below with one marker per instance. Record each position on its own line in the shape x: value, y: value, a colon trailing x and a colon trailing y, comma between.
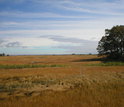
x: 56, y: 26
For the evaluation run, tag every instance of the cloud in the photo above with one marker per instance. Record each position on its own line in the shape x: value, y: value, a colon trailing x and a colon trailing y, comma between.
x: 62, y: 21
x: 8, y: 44
x: 96, y: 23
x: 1, y: 41
x: 73, y: 45
x: 82, y: 49
x: 64, y: 39
x: 34, y: 15
x: 80, y: 33
x: 84, y: 29
x: 51, y: 43
x: 68, y: 9
x: 93, y: 7
x: 13, y: 44
x: 100, y: 7
x: 27, y: 42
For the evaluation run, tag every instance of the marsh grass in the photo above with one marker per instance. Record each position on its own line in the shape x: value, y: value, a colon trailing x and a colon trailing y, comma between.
x: 4, y: 88
x: 13, y: 84
x: 87, y: 95
x: 27, y: 66
x: 84, y: 86
x: 44, y: 82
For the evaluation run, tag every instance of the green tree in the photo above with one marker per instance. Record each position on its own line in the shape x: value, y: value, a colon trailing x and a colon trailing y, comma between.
x: 112, y: 44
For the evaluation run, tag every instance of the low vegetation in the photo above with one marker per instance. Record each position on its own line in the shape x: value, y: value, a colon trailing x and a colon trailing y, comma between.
x: 27, y: 66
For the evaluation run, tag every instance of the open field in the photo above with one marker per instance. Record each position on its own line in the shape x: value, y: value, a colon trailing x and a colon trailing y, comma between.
x: 60, y: 81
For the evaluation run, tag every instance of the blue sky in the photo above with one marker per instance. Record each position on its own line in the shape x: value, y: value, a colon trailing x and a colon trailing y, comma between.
x: 56, y: 26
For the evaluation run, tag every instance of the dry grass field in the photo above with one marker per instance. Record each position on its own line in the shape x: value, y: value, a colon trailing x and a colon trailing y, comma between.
x: 60, y: 81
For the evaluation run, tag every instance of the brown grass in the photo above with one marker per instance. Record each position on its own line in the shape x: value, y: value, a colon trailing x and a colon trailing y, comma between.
x: 73, y: 85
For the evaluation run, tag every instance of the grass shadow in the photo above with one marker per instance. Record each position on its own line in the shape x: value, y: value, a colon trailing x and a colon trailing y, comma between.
x: 90, y: 60
x: 104, y: 62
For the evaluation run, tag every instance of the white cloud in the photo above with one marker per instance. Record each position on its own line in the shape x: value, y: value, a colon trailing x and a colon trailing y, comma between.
x: 30, y: 41
x: 81, y: 24
x: 81, y: 34
x: 80, y: 29
x: 53, y: 43
x: 90, y: 6
x: 30, y: 15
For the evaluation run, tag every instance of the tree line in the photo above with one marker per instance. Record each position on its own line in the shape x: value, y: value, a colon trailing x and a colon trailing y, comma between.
x: 3, y: 54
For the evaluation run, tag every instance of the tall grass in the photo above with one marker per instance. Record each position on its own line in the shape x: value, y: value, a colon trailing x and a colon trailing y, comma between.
x: 105, y: 94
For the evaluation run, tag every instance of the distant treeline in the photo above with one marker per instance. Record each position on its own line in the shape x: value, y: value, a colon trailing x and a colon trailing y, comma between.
x: 3, y: 54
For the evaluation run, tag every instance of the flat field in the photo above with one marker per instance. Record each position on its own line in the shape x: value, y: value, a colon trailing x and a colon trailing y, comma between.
x: 60, y: 81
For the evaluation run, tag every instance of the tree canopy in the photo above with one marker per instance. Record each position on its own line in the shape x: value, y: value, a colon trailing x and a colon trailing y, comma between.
x: 112, y: 44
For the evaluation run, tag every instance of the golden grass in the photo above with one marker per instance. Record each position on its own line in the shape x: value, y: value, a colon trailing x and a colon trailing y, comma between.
x: 74, y: 85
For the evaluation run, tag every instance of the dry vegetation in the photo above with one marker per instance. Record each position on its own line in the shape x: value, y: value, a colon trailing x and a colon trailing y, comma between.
x: 60, y: 81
